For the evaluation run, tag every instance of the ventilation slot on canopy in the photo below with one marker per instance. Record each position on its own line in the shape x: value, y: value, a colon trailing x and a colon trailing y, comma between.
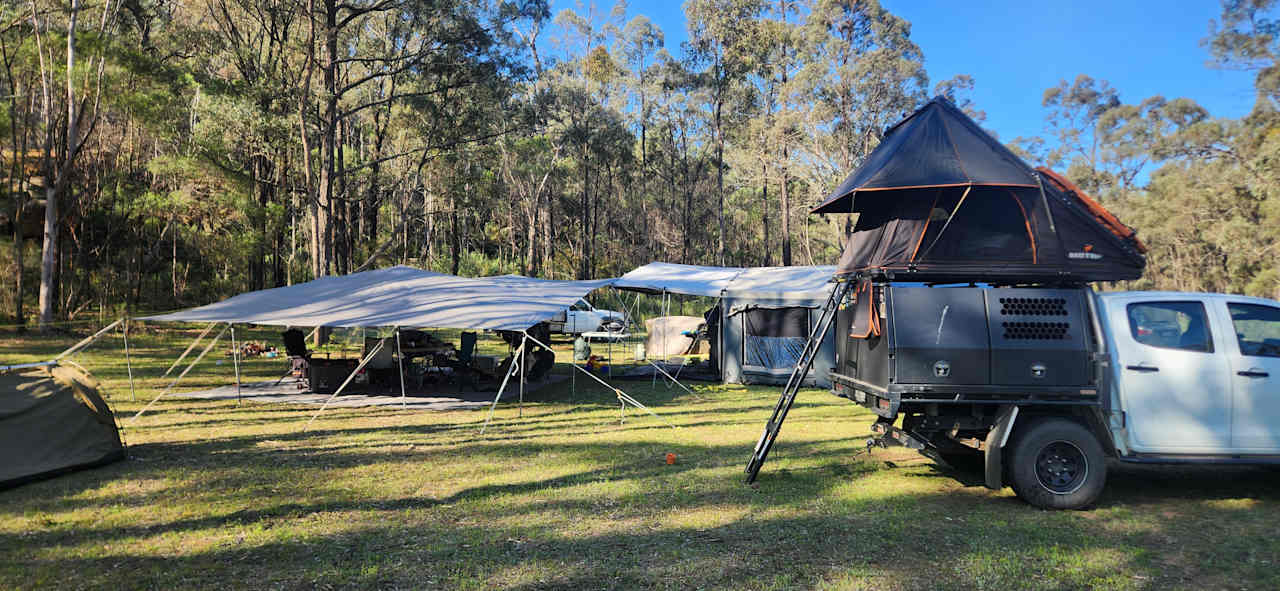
x: 1033, y: 307
x: 1036, y: 331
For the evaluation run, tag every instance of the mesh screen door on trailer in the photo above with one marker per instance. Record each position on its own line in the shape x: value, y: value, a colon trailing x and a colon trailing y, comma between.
x: 774, y: 338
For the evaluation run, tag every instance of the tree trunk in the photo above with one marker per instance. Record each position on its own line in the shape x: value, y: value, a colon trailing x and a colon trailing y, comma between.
x: 764, y: 210
x: 49, y: 256
x: 785, y: 208
x: 328, y: 141
x: 720, y: 181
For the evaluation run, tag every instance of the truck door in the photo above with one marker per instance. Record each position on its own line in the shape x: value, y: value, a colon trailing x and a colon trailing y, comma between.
x: 1254, y: 356
x: 578, y: 315
x: 1174, y: 382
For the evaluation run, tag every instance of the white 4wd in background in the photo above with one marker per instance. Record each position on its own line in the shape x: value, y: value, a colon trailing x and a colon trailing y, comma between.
x: 582, y: 317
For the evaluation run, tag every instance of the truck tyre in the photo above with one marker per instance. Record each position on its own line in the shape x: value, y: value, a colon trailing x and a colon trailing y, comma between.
x: 1057, y: 464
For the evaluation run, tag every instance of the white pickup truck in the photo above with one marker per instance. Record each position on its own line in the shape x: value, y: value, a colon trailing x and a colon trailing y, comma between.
x: 1039, y: 386
x: 582, y: 317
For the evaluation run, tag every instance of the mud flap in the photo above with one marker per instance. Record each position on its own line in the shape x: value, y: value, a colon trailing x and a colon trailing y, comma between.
x: 999, y: 435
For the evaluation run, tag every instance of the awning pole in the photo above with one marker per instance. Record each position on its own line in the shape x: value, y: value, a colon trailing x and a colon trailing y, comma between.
x: 235, y: 360
x: 128, y: 362
x: 510, y: 370
x: 88, y: 340
x: 619, y: 393
x: 648, y: 358
x: 183, y: 374
x: 189, y: 349
x: 404, y: 400
x: 523, y: 353
x: 355, y: 371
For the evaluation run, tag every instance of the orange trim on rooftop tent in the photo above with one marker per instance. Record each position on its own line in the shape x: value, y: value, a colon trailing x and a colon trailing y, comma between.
x: 1106, y: 218
x: 942, y: 186
x: 928, y: 219
x: 1027, y: 222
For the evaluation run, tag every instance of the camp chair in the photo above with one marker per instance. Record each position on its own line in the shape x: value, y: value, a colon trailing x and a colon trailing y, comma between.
x: 467, y: 349
x: 295, y: 346
x: 464, y: 364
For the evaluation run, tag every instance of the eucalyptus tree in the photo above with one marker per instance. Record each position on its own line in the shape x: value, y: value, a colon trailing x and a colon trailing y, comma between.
x: 721, y: 39
x: 862, y: 72
x: 69, y: 126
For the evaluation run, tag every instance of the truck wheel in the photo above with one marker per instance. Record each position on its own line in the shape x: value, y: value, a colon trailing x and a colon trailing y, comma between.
x: 1057, y: 464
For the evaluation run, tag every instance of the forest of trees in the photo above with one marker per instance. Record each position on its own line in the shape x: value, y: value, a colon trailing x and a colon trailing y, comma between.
x: 165, y: 153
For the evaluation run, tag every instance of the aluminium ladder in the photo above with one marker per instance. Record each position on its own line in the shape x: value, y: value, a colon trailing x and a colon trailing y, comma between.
x: 816, y: 337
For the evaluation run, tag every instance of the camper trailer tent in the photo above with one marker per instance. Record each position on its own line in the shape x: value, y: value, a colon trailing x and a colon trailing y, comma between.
x: 767, y: 316
x: 763, y: 318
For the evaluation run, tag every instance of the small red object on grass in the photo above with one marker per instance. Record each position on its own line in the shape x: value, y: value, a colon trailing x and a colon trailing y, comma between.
x: 671, y: 458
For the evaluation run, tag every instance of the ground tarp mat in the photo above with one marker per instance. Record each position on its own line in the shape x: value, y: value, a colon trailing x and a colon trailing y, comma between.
x: 53, y: 420
x: 399, y: 296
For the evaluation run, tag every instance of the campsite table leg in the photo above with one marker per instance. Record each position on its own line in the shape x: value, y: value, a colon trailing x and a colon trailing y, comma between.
x: 235, y: 359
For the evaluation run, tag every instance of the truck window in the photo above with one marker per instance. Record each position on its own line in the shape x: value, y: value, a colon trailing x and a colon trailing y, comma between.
x: 1172, y: 325
x: 1257, y: 329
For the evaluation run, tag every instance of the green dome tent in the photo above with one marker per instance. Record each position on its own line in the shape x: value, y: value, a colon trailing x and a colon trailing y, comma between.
x: 52, y: 421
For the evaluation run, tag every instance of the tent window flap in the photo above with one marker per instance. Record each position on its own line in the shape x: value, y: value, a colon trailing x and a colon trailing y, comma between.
x: 774, y: 338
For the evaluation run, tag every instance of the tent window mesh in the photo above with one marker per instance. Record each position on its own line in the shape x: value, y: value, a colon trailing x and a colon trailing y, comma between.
x: 774, y: 338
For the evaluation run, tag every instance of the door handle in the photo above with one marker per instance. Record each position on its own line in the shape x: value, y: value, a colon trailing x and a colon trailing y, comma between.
x: 1142, y: 367
x: 1253, y: 373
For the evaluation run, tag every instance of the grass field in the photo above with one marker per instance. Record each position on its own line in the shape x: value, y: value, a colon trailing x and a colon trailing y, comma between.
x: 220, y: 496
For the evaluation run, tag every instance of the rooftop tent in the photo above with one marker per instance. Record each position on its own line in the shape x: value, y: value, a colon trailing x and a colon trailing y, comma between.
x: 52, y: 420
x: 998, y: 224
x: 937, y: 146
x: 399, y: 296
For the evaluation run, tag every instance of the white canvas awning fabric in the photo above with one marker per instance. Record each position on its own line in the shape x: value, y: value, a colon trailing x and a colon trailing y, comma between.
x: 399, y: 296
x: 800, y: 283
x: 777, y: 282
x: 680, y: 279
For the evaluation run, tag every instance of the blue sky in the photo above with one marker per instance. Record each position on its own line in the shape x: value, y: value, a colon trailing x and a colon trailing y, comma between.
x: 1015, y: 50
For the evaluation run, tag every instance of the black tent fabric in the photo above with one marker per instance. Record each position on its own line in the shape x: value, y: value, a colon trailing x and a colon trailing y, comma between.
x: 937, y: 146
x: 53, y: 420
x: 948, y: 224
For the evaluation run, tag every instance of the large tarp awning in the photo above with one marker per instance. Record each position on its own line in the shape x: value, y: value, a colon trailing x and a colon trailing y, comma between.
x: 679, y: 279
x: 399, y: 296
x: 794, y: 283
x: 937, y: 146
x: 803, y: 282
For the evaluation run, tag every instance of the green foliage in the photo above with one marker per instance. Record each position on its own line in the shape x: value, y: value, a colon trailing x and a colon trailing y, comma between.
x: 241, y: 144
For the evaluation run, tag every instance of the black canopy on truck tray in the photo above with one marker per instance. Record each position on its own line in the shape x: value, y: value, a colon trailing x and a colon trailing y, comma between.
x: 941, y: 200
